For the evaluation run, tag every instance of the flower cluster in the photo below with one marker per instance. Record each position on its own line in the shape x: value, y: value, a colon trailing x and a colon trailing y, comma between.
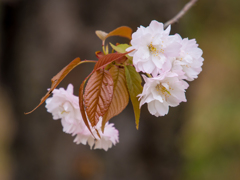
x: 168, y: 60
x: 65, y: 106
x: 165, y: 61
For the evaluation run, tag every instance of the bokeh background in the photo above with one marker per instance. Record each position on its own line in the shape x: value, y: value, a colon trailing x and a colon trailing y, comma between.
x: 198, y: 140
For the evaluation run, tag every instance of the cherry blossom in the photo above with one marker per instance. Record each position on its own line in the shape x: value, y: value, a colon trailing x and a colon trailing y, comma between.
x: 153, y: 47
x: 108, y: 138
x: 64, y: 105
x: 190, y: 58
x: 163, y: 91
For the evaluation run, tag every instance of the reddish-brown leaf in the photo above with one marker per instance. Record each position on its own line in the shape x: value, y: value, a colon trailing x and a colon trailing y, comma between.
x: 58, y: 78
x: 82, y: 109
x: 99, y: 54
x: 122, y: 31
x: 120, y: 94
x: 121, y: 60
x: 107, y: 59
x: 98, y: 95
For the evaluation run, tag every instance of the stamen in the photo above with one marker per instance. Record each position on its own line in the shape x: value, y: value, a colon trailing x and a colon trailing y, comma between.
x: 153, y: 50
x: 163, y: 90
x: 64, y: 112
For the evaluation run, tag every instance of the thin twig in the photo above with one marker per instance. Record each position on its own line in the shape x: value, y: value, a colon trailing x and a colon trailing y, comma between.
x: 181, y: 13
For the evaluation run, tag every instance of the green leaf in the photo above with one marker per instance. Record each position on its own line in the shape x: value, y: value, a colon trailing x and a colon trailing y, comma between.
x: 120, y: 94
x: 121, y: 48
x: 134, y: 88
x: 98, y: 95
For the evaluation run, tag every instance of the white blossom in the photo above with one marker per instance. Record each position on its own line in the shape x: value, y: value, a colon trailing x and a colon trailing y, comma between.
x: 65, y: 106
x: 108, y: 138
x: 84, y: 137
x: 153, y: 47
x: 161, y: 92
x: 190, y: 58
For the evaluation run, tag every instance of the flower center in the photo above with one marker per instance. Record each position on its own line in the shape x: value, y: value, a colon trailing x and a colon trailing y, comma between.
x: 161, y: 89
x: 64, y: 112
x: 154, y: 50
x: 63, y: 108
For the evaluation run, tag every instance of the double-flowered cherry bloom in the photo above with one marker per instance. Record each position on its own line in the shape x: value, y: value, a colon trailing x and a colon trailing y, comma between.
x: 153, y: 47
x: 109, y: 137
x: 168, y: 61
x: 163, y: 91
x: 64, y: 105
x: 190, y: 58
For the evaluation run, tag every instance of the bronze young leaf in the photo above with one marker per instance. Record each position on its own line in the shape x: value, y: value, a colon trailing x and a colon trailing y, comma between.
x: 59, y: 77
x: 107, y: 59
x: 122, y: 31
x: 120, y: 94
x: 81, y: 105
x: 98, y: 95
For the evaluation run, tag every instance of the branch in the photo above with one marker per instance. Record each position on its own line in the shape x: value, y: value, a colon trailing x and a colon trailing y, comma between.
x: 181, y: 13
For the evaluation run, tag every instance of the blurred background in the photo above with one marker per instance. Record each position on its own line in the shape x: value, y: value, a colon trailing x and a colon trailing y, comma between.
x: 198, y: 140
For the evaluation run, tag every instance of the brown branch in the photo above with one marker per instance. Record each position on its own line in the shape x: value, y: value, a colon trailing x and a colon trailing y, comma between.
x: 181, y: 13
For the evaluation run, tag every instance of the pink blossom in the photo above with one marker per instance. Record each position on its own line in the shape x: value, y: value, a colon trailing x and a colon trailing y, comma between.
x: 161, y: 92
x: 153, y: 47
x: 65, y: 106
x: 108, y: 138
x: 190, y: 58
x: 84, y: 137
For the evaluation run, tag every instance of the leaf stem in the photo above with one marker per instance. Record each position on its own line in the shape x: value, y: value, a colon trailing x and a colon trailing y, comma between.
x: 86, y: 61
x: 103, y: 48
